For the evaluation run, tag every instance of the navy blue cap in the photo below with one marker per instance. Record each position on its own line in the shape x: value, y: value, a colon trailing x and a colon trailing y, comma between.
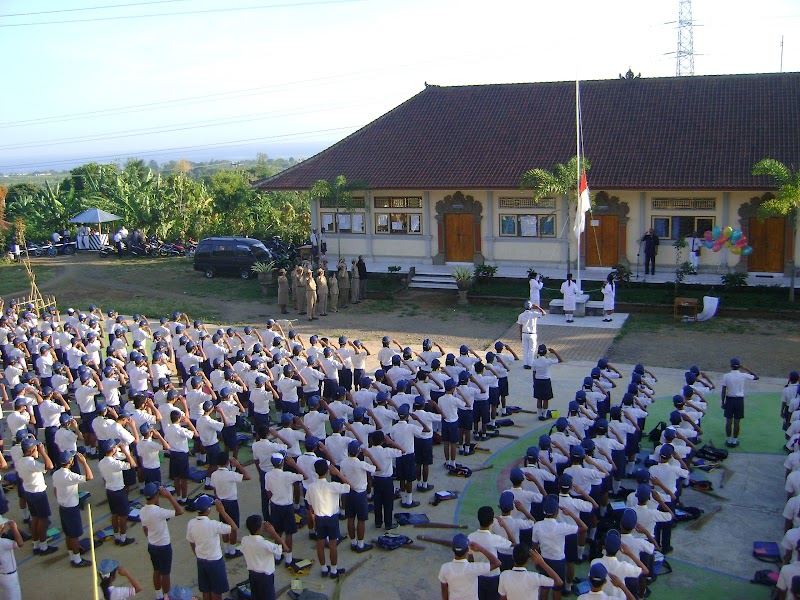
x: 460, y: 543
x: 629, y: 519
x: 150, y: 490
x: 506, y: 502
x: 516, y: 475
x: 550, y: 505
x: 598, y: 573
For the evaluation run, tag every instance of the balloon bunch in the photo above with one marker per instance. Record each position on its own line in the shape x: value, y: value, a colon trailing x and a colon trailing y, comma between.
x: 730, y: 238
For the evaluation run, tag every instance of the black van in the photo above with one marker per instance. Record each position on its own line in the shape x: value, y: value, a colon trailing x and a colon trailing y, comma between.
x: 229, y: 255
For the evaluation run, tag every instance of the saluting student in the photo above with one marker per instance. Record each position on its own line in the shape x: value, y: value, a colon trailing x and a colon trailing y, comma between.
x: 260, y: 555
x: 159, y: 546
x: 66, y: 483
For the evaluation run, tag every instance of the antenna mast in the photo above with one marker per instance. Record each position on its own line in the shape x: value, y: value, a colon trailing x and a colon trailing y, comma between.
x: 685, y: 54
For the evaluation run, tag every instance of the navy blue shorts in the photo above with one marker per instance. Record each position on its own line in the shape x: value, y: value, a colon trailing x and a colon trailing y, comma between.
x: 118, y: 502
x: 620, y: 460
x: 71, y: 521
x: 38, y: 504
x: 571, y: 548
x: 178, y: 465
x: 502, y: 384
x: 327, y: 528
x: 151, y: 476
x: 260, y: 419
x: 212, y: 576
x: 559, y: 566
x: 465, y: 418
x: 450, y: 432
x: 480, y: 411
x: 631, y: 444
x: 262, y: 585
x: 161, y: 558
x: 212, y: 452
x: 494, y: 396
x: 86, y: 422
x: 423, y: 451
x: 542, y: 389
x: 291, y: 408
x: 405, y: 467
x: 232, y: 508
x: 356, y: 506
x: 229, y: 437
x: 282, y: 518
x: 734, y: 407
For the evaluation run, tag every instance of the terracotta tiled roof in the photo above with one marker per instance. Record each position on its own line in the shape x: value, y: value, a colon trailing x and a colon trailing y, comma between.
x: 702, y: 132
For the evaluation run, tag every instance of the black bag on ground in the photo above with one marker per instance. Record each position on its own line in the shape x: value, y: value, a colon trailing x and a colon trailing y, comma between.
x: 655, y: 433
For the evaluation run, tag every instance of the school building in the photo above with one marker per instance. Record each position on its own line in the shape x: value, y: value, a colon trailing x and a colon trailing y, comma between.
x: 443, y: 170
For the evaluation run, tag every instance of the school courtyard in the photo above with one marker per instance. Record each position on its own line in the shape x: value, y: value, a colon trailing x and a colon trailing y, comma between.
x: 712, y: 556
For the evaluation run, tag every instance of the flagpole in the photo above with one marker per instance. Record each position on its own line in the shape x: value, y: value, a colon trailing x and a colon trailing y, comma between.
x: 578, y: 177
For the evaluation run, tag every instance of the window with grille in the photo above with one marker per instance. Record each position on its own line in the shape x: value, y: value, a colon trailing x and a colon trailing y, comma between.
x: 519, y: 202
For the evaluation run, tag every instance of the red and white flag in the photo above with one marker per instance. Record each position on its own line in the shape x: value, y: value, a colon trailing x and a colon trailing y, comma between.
x: 584, y: 204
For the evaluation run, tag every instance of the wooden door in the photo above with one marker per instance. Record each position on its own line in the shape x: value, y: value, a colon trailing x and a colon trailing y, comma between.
x: 459, y: 238
x: 768, y: 239
x: 601, y: 240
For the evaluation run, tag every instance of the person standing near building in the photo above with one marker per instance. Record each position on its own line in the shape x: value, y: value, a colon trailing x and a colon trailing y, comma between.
x: 609, y: 297
x: 355, y: 283
x: 651, y: 243
x: 283, y: 291
x: 694, y: 242
x: 570, y: 291
x: 362, y: 278
x: 322, y: 293
x: 527, y: 331
x: 733, y: 399
x: 311, y: 293
x: 344, y: 282
x: 536, y: 285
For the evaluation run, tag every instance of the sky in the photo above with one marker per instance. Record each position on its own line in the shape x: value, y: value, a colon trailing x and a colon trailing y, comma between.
x: 200, y: 79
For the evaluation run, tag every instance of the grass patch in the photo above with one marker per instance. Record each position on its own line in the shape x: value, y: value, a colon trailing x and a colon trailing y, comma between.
x: 385, y: 284
x: 179, y: 274
x: 758, y: 426
x: 14, y: 277
x: 142, y: 303
x: 658, y: 323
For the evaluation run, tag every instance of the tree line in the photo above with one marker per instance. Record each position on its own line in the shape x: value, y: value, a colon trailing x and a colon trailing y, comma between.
x: 179, y: 200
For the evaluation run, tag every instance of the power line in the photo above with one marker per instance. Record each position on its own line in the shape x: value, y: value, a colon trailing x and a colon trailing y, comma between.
x: 189, y: 12
x: 65, y: 10
x: 231, y: 143
x: 177, y: 127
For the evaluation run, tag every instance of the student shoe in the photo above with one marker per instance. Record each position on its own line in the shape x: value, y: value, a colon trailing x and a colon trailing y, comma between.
x: 338, y: 572
x: 527, y: 367
x: 232, y: 555
x: 412, y: 504
x: 324, y: 573
x: 392, y: 526
x: 279, y: 560
x: 48, y: 550
x: 82, y: 563
x: 365, y: 548
x: 127, y: 542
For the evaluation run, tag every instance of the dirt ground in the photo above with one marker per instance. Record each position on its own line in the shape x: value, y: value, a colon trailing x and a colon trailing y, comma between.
x: 769, y: 347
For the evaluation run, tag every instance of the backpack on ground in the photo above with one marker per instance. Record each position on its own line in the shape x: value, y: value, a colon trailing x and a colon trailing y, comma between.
x: 655, y: 433
x: 765, y: 577
x: 767, y: 552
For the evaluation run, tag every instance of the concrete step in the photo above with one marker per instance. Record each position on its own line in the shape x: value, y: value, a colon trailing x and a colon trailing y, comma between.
x: 433, y: 279
x: 432, y: 285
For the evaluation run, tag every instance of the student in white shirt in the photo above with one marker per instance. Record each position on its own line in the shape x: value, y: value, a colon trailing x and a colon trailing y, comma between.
x: 32, y: 471
x: 550, y: 534
x: 733, y: 399
x: 154, y: 523
x: 280, y: 486
x: 225, y: 482
x: 459, y: 578
x: 108, y: 570
x: 382, y: 479
x: 598, y: 577
x: 203, y: 536
x: 323, y: 503
x: 519, y: 583
x: 356, y: 470
x: 9, y: 577
x: 260, y: 555
x: 112, y: 469
x: 65, y: 483
x: 487, y: 584
x: 542, y: 386
x: 613, y: 564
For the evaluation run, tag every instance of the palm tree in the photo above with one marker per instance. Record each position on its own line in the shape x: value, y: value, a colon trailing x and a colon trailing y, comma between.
x: 785, y: 204
x: 562, y: 181
x: 338, y: 194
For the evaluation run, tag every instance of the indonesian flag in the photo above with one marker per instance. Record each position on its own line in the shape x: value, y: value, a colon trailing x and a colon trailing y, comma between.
x: 584, y: 204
